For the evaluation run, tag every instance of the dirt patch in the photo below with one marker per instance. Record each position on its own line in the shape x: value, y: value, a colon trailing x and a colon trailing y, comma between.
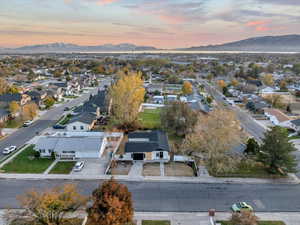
x: 121, y: 168
x: 121, y: 149
x: 151, y: 169
x: 178, y: 169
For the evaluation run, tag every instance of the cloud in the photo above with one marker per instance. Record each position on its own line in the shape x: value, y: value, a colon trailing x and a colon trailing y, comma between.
x: 280, y: 2
x: 259, y: 25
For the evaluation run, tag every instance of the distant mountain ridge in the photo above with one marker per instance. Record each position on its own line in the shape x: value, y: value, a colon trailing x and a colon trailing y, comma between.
x: 284, y: 43
x: 66, y: 47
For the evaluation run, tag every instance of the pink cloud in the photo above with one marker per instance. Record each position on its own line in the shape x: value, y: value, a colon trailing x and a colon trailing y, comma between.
x: 259, y: 25
x: 105, y: 2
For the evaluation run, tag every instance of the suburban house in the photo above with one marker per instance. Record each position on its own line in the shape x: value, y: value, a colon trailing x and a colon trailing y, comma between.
x: 257, y: 107
x: 37, y: 96
x: 171, y: 98
x: 147, y: 146
x: 70, y: 145
x: 277, y: 117
x: 295, y: 108
x: 295, y: 124
x: 82, y: 122
x: 158, y: 99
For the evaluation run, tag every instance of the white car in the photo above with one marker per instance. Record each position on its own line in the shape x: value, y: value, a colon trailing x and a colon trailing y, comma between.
x: 78, y: 166
x: 9, y: 150
x: 27, y: 123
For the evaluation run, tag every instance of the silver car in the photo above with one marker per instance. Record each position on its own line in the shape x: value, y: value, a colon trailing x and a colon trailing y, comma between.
x: 78, y: 166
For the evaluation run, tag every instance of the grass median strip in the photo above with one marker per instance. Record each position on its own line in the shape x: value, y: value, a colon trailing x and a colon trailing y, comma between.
x: 25, y: 162
x: 63, y: 167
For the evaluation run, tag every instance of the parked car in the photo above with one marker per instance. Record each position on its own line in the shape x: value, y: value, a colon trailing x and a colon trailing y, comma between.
x: 78, y: 166
x: 241, y: 206
x: 67, y: 109
x: 27, y: 123
x: 9, y: 150
x: 58, y: 126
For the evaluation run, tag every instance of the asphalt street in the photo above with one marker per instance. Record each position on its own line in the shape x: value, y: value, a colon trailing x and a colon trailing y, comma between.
x: 24, y: 134
x: 176, y: 197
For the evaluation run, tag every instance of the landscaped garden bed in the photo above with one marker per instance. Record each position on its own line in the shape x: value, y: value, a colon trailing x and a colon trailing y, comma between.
x: 62, y: 167
x: 26, y: 162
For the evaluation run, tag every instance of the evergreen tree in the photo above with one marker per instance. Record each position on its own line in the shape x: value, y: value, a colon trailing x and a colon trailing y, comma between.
x: 252, y: 147
x: 276, y: 151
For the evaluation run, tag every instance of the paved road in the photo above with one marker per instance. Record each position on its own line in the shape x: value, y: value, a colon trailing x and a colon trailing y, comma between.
x: 176, y: 197
x: 24, y: 134
x: 247, y: 122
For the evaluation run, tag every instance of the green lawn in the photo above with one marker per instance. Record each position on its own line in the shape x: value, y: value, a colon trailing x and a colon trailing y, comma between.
x: 62, y: 168
x: 259, y: 223
x: 16, y: 123
x: 150, y: 119
x: 155, y: 222
x: 26, y: 163
x: 65, y: 119
x: 257, y: 171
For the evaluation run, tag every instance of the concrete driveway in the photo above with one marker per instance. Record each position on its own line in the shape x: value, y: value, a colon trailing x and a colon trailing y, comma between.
x: 93, y: 167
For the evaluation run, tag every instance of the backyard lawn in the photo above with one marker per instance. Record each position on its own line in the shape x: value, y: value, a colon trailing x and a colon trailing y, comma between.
x: 156, y: 222
x: 63, y: 167
x: 150, y: 118
x: 26, y: 163
x: 260, y: 223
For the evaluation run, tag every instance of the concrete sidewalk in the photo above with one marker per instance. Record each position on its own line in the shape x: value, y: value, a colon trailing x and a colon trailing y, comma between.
x: 195, y: 218
x: 291, y: 180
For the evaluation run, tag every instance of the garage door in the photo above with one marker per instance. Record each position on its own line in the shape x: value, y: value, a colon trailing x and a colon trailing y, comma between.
x: 138, y: 156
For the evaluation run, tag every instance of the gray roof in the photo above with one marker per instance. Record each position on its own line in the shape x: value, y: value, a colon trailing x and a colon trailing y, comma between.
x: 157, y: 141
x: 85, y: 117
x: 3, y: 112
x: 296, y: 122
x: 10, y: 97
x: 77, y: 144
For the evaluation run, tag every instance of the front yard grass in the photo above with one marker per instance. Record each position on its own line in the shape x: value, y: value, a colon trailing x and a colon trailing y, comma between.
x: 259, y: 223
x: 65, y: 119
x: 62, y: 167
x: 151, y: 169
x: 150, y: 119
x: 179, y: 169
x: 258, y: 171
x: 156, y: 222
x: 15, y: 123
x: 25, y: 162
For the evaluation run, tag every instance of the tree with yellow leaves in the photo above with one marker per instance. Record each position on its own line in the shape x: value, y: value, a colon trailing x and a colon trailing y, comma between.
x: 29, y: 111
x: 3, y: 86
x: 127, y: 95
x: 268, y: 80
x: 14, y: 108
x: 235, y: 83
x: 53, y: 206
x: 213, y: 136
x: 187, y: 88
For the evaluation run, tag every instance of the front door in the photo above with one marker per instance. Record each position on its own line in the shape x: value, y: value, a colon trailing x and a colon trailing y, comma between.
x: 161, y: 155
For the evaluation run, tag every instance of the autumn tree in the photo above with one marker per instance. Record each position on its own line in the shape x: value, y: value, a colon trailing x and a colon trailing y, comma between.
x: 213, y: 136
x: 221, y: 84
x: 244, y: 218
x: 127, y: 95
x: 268, y: 80
x: 52, y: 206
x: 178, y: 119
x: 29, y: 111
x: 277, y: 151
x: 112, y: 205
x: 187, y: 88
x: 276, y: 100
x: 235, y: 83
x: 3, y: 86
x: 49, y: 102
x: 14, y: 108
x: 283, y: 85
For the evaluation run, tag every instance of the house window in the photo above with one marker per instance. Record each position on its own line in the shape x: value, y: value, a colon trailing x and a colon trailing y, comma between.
x: 42, y: 150
x: 74, y: 127
x: 81, y: 127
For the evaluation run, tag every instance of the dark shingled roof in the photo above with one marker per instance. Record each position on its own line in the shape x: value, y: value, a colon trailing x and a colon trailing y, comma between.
x: 158, y: 141
x: 98, y: 100
x: 296, y: 122
x: 10, y: 97
x: 85, y: 117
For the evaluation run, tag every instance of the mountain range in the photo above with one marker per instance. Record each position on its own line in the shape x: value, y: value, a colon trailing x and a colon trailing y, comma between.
x: 284, y: 43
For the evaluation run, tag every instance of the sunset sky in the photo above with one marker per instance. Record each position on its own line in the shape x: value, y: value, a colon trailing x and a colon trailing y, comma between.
x: 159, y: 23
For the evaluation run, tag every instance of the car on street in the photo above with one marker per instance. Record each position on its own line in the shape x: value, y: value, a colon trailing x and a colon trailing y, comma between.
x: 59, y: 126
x: 241, y: 206
x: 67, y: 109
x: 27, y: 123
x: 9, y: 150
x: 78, y: 166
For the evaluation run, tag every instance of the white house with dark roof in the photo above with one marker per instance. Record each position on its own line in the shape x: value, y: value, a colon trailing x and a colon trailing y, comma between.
x: 147, y: 146
x: 83, y: 122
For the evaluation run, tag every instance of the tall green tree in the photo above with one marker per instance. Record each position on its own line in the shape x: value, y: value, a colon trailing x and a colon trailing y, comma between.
x: 276, y: 151
x: 252, y: 147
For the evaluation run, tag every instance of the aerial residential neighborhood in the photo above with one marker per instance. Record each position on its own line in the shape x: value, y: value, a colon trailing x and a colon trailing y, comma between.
x: 126, y: 112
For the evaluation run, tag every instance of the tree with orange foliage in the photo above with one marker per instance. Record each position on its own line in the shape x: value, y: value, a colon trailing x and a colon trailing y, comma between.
x: 30, y: 111
x: 187, y: 88
x: 221, y: 83
x: 112, y: 205
x: 127, y: 95
x: 51, y: 207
